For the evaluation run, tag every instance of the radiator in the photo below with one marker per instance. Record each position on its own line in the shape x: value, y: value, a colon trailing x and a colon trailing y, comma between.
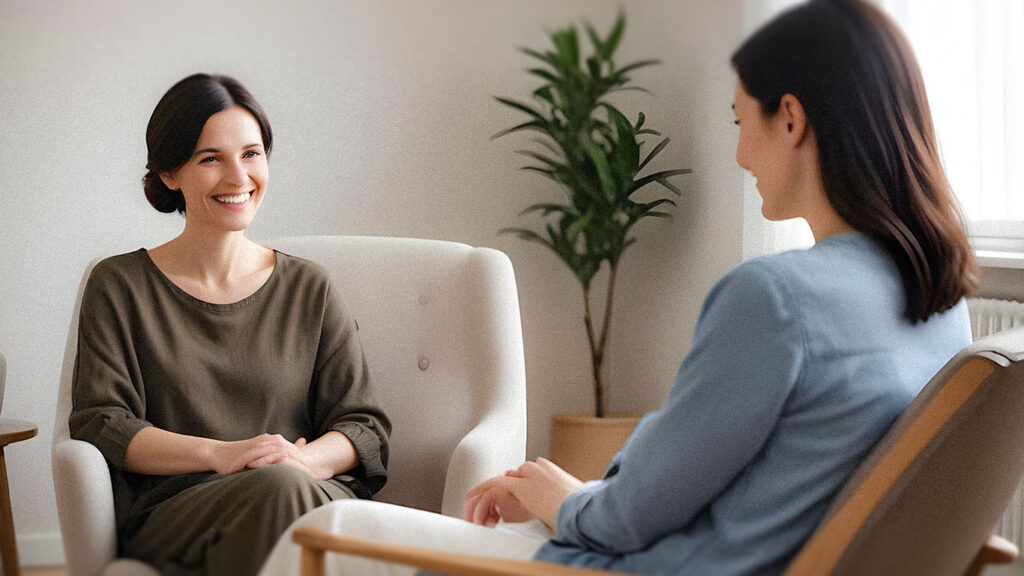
x: 988, y: 317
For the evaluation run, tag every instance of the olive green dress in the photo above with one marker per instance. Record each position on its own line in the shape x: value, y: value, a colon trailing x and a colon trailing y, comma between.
x: 285, y: 360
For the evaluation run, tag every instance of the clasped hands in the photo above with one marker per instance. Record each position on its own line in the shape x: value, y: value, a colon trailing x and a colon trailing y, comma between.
x: 265, y: 450
x: 534, y: 490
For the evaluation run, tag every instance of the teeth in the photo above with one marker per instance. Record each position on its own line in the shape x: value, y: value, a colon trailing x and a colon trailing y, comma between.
x: 236, y: 199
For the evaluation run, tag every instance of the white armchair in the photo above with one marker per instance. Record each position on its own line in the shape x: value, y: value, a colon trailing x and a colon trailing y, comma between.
x: 439, y: 322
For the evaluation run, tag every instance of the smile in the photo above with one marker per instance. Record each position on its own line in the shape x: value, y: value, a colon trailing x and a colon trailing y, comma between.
x: 233, y: 199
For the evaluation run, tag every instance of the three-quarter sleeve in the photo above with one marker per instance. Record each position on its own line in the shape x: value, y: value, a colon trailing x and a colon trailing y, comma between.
x: 728, y: 395
x: 108, y: 404
x: 342, y: 396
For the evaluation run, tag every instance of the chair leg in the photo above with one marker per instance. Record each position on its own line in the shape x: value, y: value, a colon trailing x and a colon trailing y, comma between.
x: 312, y: 562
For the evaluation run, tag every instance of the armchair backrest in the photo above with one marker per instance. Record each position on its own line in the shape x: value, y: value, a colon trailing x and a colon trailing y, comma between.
x: 439, y: 323
x: 929, y: 494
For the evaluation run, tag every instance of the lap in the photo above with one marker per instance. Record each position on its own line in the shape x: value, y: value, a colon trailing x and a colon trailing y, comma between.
x: 382, y: 522
x: 251, y: 508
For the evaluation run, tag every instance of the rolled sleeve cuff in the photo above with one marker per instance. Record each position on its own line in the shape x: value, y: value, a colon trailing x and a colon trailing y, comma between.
x: 115, y: 436
x: 566, y: 524
x: 368, y: 450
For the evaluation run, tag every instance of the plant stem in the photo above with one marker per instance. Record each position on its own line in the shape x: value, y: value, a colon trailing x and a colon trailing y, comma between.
x: 596, y: 355
x: 597, y: 346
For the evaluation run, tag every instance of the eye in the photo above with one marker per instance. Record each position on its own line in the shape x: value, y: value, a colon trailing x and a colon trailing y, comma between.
x: 251, y: 154
x: 736, y: 122
x: 208, y: 159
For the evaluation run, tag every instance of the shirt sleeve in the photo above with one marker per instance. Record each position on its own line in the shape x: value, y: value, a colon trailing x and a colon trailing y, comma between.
x: 108, y: 404
x: 342, y: 394
x: 727, y: 397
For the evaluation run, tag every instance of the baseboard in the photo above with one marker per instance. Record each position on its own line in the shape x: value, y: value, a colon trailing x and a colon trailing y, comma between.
x: 40, y: 549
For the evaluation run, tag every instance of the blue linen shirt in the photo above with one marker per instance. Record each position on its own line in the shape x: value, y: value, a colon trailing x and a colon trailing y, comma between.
x: 799, y: 363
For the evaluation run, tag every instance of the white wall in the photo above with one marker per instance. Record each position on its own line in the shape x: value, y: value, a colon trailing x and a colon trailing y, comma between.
x: 382, y: 114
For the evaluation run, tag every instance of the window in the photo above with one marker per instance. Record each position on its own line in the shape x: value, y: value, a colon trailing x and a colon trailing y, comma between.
x: 971, y: 54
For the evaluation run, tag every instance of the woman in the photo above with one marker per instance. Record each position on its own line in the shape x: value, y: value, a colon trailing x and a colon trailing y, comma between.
x: 799, y: 361
x: 206, y: 363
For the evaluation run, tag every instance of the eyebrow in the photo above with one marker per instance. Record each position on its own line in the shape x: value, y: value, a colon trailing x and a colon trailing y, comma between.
x: 218, y: 151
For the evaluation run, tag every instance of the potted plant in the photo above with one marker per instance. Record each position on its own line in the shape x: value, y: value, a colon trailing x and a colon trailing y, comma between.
x: 595, y: 154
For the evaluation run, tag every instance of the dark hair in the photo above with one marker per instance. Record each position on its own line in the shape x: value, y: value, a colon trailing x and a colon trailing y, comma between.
x: 177, y: 122
x: 859, y: 83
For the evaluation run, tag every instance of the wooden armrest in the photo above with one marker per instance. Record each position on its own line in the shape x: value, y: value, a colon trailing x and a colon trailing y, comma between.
x: 995, y: 550
x: 316, y: 542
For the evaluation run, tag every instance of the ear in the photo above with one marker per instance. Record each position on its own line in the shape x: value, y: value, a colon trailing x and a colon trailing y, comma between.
x: 793, y: 119
x: 169, y: 180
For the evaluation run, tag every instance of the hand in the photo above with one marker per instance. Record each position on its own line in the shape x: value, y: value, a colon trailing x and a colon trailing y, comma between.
x: 231, y: 457
x: 491, y: 500
x: 535, y: 490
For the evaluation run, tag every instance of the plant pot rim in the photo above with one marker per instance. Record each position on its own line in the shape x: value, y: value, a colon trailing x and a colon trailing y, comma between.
x: 612, y: 419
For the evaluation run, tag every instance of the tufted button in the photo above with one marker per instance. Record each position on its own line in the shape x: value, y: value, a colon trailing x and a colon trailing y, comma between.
x: 424, y: 299
x: 423, y: 363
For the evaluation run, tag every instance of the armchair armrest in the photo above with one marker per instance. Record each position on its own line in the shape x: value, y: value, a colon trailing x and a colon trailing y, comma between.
x: 490, y: 449
x: 315, y: 543
x: 85, y: 501
x: 995, y: 550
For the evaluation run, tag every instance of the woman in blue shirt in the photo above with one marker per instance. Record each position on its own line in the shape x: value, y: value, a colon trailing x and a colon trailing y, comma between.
x: 800, y: 361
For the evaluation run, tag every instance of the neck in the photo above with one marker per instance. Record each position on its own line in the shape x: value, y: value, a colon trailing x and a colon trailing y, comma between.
x: 828, y: 225
x: 213, y: 257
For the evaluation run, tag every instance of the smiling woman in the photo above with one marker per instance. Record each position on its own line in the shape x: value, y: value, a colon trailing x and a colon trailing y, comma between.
x: 206, y: 363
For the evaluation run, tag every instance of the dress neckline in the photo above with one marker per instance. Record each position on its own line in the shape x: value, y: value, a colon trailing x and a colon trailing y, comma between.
x: 190, y: 299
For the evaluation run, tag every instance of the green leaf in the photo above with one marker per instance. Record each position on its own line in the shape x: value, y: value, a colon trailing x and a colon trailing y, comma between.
x: 532, y: 124
x: 640, y: 121
x: 604, y: 175
x: 546, y: 57
x: 594, y: 38
x: 661, y: 145
x: 656, y: 177
x: 636, y: 65
x: 521, y: 107
x: 567, y: 46
x: 546, y: 172
x: 547, y: 144
x: 528, y: 235
x: 545, y: 74
x: 544, y: 93
x: 594, y: 66
x: 664, y: 182
x: 542, y: 158
x: 614, y: 37
x: 547, y: 208
x: 631, y: 89
x: 572, y: 232
x: 648, y: 131
x: 645, y: 208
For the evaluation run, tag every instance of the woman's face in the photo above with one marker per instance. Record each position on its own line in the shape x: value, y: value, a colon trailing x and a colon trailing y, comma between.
x: 225, y: 179
x: 764, y: 150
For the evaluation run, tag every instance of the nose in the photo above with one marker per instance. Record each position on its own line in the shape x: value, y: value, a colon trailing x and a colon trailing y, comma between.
x: 236, y: 175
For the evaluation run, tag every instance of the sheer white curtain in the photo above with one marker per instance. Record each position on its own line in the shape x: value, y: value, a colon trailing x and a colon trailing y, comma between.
x: 971, y: 54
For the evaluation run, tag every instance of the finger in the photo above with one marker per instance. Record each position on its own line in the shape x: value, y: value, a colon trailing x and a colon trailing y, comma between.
x: 483, y: 509
x: 300, y: 442
x: 468, y: 506
x: 513, y: 474
x: 482, y: 487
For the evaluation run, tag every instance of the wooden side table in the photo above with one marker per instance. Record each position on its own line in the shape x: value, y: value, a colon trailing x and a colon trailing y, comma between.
x: 11, y: 431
